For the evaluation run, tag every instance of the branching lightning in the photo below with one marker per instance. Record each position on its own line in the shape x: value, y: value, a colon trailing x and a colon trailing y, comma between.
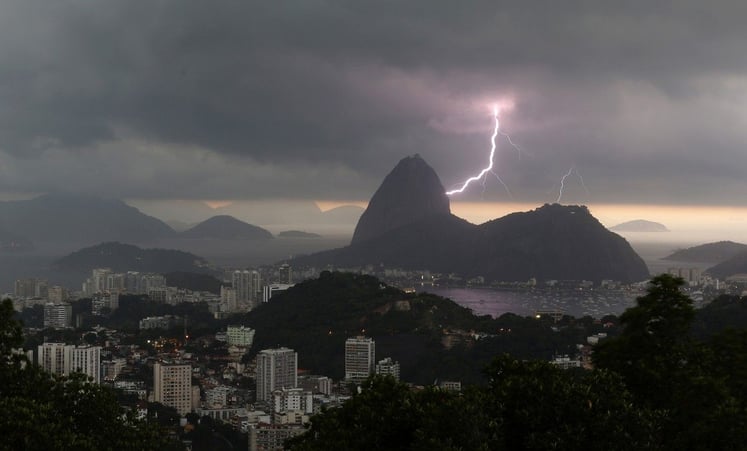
x: 572, y: 170
x: 483, y: 175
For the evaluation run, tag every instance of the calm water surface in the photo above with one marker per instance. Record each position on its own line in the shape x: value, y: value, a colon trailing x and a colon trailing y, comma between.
x: 488, y: 301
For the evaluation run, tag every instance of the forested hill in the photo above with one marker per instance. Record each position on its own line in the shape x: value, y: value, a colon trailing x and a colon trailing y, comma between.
x: 127, y: 257
x: 709, y: 253
x: 431, y: 337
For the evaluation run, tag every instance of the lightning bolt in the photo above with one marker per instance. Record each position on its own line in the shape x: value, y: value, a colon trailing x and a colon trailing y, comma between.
x: 489, y: 169
x: 572, y: 170
x: 562, y: 184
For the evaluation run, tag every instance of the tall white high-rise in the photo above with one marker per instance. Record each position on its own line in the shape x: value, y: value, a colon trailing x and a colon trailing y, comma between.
x: 62, y: 359
x: 276, y: 369
x: 360, y: 358
x: 172, y: 386
x: 54, y: 358
x: 87, y: 360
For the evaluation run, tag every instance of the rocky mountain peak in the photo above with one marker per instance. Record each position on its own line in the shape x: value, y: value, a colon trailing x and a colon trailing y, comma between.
x: 410, y: 193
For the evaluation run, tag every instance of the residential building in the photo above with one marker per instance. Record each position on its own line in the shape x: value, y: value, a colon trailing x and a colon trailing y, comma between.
x: 228, y: 299
x: 292, y: 399
x: 63, y: 359
x: 87, y: 360
x: 263, y: 437
x: 240, y: 336
x: 58, y: 316
x: 172, y: 386
x: 276, y: 369
x: 57, y: 294
x: 54, y: 358
x: 242, y: 283
x: 360, y: 355
x: 268, y: 291
x: 388, y: 367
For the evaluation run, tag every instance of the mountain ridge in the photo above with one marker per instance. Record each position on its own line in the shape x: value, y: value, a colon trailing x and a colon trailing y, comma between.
x: 550, y: 242
x: 715, y: 252
x: 79, y: 219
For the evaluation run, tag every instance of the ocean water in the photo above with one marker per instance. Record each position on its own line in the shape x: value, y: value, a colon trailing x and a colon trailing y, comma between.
x: 488, y: 301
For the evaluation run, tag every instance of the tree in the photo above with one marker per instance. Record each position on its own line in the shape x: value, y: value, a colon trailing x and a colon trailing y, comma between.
x: 535, y: 405
x: 653, y: 352
x: 11, y: 333
x: 668, y: 371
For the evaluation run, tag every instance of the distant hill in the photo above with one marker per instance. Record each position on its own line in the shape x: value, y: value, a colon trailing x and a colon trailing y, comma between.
x: 551, y: 242
x: 79, y: 219
x: 640, y: 225
x: 126, y: 257
x: 297, y: 234
x: 709, y: 252
x: 734, y: 265
x: 224, y: 227
x: 429, y: 335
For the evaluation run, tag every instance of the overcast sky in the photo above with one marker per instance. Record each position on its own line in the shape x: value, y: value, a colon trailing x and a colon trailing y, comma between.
x: 193, y: 99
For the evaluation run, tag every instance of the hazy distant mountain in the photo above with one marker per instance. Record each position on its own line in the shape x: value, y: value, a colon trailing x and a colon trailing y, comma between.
x: 411, y: 192
x: 734, y: 265
x: 226, y: 227
x: 79, y: 219
x: 640, y: 225
x: 551, y: 242
x: 126, y: 257
x: 297, y: 234
x: 709, y: 252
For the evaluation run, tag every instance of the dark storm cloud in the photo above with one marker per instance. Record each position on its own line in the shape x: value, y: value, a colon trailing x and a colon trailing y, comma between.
x: 319, y: 99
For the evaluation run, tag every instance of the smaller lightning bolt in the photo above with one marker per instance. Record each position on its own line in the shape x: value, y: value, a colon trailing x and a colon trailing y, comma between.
x: 582, y: 182
x: 565, y: 176
x: 514, y: 145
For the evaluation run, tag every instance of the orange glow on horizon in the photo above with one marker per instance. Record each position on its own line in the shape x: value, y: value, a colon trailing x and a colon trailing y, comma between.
x: 326, y: 205
x: 218, y: 203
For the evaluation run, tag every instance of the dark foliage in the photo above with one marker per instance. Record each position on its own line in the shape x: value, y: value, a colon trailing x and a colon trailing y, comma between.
x: 430, y: 336
x: 127, y: 257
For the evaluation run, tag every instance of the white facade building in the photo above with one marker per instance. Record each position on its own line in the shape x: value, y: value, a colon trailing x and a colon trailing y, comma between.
x: 276, y: 369
x: 360, y: 358
x: 62, y: 359
x: 388, y: 367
